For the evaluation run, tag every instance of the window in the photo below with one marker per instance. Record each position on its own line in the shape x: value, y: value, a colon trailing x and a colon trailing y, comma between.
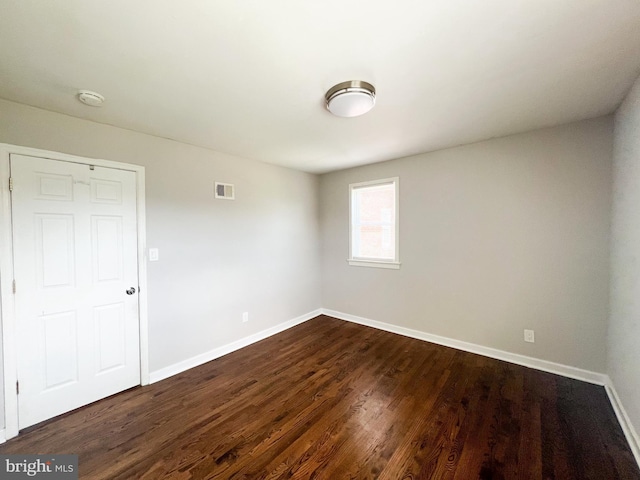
x: 374, y: 224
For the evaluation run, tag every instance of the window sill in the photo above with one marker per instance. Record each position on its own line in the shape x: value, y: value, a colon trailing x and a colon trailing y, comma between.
x: 373, y: 263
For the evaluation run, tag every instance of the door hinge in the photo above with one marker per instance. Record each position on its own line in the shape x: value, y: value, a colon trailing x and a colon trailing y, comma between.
x: 11, y: 184
x: 14, y: 286
x: 17, y: 387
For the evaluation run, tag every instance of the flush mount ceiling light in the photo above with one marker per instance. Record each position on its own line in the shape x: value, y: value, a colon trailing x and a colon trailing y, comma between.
x: 90, y: 98
x: 350, y: 99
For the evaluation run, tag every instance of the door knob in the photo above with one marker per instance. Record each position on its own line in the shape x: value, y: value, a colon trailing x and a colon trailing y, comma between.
x: 131, y: 291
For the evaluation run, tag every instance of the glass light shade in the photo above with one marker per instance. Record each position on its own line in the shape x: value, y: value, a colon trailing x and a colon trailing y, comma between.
x: 351, y: 99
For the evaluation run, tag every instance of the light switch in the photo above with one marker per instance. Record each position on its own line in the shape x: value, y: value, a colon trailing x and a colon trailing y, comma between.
x: 154, y: 255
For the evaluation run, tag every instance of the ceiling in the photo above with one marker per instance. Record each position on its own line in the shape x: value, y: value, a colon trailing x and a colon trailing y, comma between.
x: 248, y: 77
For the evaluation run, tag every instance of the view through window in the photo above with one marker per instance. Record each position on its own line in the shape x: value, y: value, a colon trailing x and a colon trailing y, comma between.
x: 373, y: 221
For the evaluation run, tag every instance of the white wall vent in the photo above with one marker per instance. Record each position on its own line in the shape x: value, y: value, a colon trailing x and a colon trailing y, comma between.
x: 225, y: 190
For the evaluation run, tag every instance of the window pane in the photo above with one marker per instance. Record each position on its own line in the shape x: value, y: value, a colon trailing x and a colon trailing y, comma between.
x: 373, y: 222
x: 373, y: 243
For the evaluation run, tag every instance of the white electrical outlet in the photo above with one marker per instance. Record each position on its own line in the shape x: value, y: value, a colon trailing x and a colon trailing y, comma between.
x: 154, y: 255
x: 245, y: 317
x: 529, y: 336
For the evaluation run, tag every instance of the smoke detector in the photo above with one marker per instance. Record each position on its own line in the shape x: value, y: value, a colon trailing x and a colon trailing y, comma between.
x: 93, y: 99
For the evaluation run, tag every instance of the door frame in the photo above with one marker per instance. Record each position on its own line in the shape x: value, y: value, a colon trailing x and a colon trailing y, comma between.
x: 7, y: 299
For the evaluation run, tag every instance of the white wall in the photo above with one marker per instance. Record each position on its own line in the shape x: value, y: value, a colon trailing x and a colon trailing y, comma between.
x: 218, y: 258
x: 624, y: 325
x: 495, y: 237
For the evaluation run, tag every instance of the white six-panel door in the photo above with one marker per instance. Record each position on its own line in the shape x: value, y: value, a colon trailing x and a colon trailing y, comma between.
x: 76, y: 300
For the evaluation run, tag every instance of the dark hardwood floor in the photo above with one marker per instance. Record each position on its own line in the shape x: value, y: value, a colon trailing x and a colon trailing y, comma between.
x: 333, y: 400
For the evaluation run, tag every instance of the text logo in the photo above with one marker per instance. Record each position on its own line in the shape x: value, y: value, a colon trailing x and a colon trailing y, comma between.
x: 51, y: 467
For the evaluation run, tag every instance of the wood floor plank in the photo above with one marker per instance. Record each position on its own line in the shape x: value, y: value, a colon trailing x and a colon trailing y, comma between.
x: 331, y: 400
x: 530, y: 450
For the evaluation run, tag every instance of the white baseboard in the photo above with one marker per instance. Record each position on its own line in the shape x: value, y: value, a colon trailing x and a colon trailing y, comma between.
x: 3, y: 437
x: 625, y: 423
x: 538, y: 364
x: 184, y: 365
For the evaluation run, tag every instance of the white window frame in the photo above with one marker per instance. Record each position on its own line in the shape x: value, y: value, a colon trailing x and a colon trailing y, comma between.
x: 375, y: 262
